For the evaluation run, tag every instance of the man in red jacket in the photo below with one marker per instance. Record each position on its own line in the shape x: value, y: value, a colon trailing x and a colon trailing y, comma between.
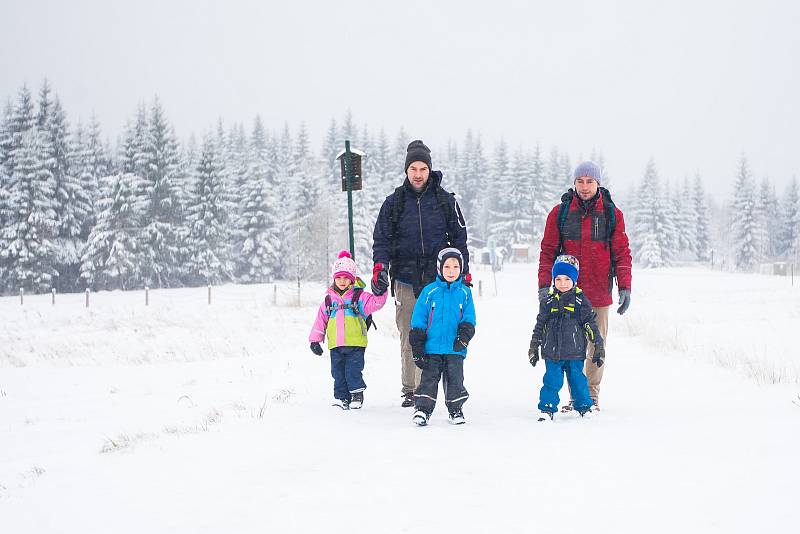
x: 588, y: 226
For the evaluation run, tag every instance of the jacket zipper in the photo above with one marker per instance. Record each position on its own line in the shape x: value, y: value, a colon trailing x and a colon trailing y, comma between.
x: 430, y: 317
x: 419, y: 211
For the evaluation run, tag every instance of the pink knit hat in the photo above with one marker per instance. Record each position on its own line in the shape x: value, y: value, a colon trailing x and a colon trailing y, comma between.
x: 345, y: 266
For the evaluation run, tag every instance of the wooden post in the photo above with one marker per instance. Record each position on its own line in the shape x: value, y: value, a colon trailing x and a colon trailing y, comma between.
x: 21, y: 296
x: 274, y: 294
x: 480, y: 288
x: 87, y: 297
x: 53, y: 291
x: 146, y: 296
x: 209, y: 294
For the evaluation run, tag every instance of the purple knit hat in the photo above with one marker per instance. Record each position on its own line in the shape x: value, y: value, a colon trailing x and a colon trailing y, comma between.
x: 590, y: 169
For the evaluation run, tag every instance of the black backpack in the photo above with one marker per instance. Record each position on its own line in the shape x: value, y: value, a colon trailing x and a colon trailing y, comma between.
x: 330, y: 308
x: 611, y: 225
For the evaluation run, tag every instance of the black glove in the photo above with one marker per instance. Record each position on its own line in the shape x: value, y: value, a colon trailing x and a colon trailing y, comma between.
x: 380, y: 279
x: 421, y: 361
x: 599, y: 355
x: 465, y: 333
x: 316, y: 349
x: 533, y: 352
x: 543, y: 292
x: 417, y: 338
x: 624, y: 300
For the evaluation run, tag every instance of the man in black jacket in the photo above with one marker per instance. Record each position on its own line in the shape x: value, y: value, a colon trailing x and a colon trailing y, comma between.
x: 415, y: 222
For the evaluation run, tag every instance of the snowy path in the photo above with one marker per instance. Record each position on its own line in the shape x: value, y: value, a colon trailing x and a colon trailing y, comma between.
x: 681, y: 444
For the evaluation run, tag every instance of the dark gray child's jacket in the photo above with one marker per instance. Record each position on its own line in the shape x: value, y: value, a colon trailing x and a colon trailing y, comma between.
x: 565, y: 323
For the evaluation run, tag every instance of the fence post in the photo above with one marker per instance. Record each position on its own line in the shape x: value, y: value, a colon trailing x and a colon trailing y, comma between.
x: 87, y: 297
x: 274, y: 294
x: 209, y: 294
x: 480, y: 288
x: 54, y: 296
x: 146, y: 296
x: 21, y: 296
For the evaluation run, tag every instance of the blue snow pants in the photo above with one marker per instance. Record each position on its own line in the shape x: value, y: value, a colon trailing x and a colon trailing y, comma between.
x: 554, y: 380
x: 347, y: 363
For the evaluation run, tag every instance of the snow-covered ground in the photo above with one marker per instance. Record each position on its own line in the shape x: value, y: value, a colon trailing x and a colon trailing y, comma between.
x: 188, y: 417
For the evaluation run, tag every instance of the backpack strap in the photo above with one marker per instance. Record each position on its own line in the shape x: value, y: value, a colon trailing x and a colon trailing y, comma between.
x: 328, y: 305
x: 563, y: 211
x: 398, y: 204
x: 611, y: 225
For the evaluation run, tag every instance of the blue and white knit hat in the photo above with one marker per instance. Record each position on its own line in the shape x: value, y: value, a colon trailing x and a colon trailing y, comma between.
x: 566, y: 265
x: 590, y: 169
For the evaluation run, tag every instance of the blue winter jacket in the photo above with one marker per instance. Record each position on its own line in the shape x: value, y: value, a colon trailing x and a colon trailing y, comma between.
x: 440, y: 308
x: 421, y: 232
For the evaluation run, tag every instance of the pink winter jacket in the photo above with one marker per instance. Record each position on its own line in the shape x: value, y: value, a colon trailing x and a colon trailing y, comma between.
x: 344, y: 328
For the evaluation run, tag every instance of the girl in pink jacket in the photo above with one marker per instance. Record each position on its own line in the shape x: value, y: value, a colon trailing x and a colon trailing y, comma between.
x: 342, y: 318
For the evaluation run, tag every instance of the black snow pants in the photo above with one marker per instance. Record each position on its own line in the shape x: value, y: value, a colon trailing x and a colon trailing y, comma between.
x: 450, y: 368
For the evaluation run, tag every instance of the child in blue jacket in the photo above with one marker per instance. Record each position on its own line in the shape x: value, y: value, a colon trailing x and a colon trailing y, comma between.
x: 442, y: 324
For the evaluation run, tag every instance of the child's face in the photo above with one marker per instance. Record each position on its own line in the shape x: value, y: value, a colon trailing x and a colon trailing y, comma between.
x: 563, y: 283
x: 451, y: 270
x: 342, y: 282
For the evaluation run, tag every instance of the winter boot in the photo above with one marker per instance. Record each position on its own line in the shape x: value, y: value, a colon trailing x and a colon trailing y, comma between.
x: 457, y: 418
x: 356, y: 400
x: 420, y: 418
x: 408, y: 399
x: 344, y: 404
x: 545, y: 416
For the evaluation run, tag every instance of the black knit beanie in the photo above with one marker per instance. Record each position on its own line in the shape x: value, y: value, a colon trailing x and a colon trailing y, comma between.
x: 417, y: 151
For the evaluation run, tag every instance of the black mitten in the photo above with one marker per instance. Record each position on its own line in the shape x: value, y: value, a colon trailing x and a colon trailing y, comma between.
x: 533, y: 352
x: 316, y: 349
x: 465, y: 333
x: 599, y: 356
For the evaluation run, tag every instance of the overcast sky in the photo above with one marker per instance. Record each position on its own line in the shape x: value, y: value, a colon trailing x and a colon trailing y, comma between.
x: 691, y: 83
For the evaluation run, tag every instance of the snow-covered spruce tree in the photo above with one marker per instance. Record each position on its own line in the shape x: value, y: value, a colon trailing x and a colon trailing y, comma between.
x: 260, y: 247
x: 685, y: 221
x: 553, y: 185
x: 701, y: 222
x: 790, y: 222
x: 74, y: 203
x: 258, y: 240
x: 768, y: 223
x: 111, y: 258
x: 540, y: 206
x: 648, y: 236
x: 161, y: 210
x: 498, y: 225
x: 744, y: 223
x: 33, y: 224
x: 207, y: 217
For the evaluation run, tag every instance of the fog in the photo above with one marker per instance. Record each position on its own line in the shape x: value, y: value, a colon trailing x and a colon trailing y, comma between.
x: 692, y: 84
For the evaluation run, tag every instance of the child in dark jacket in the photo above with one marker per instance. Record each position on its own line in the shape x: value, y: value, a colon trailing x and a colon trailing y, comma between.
x: 442, y: 324
x: 564, y: 325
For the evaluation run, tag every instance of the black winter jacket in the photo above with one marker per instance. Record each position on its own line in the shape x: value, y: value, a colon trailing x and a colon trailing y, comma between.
x: 421, y: 233
x: 564, y: 324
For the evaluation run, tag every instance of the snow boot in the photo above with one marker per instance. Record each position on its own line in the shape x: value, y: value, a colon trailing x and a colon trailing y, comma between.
x: 457, y: 418
x: 344, y: 404
x: 545, y: 416
x: 356, y: 400
x: 408, y: 399
x: 420, y: 418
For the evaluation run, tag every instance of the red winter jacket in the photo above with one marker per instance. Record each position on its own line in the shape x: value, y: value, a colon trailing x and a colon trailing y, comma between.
x: 585, y: 238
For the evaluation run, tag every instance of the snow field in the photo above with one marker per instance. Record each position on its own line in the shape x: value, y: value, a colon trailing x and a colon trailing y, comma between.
x: 184, y: 417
